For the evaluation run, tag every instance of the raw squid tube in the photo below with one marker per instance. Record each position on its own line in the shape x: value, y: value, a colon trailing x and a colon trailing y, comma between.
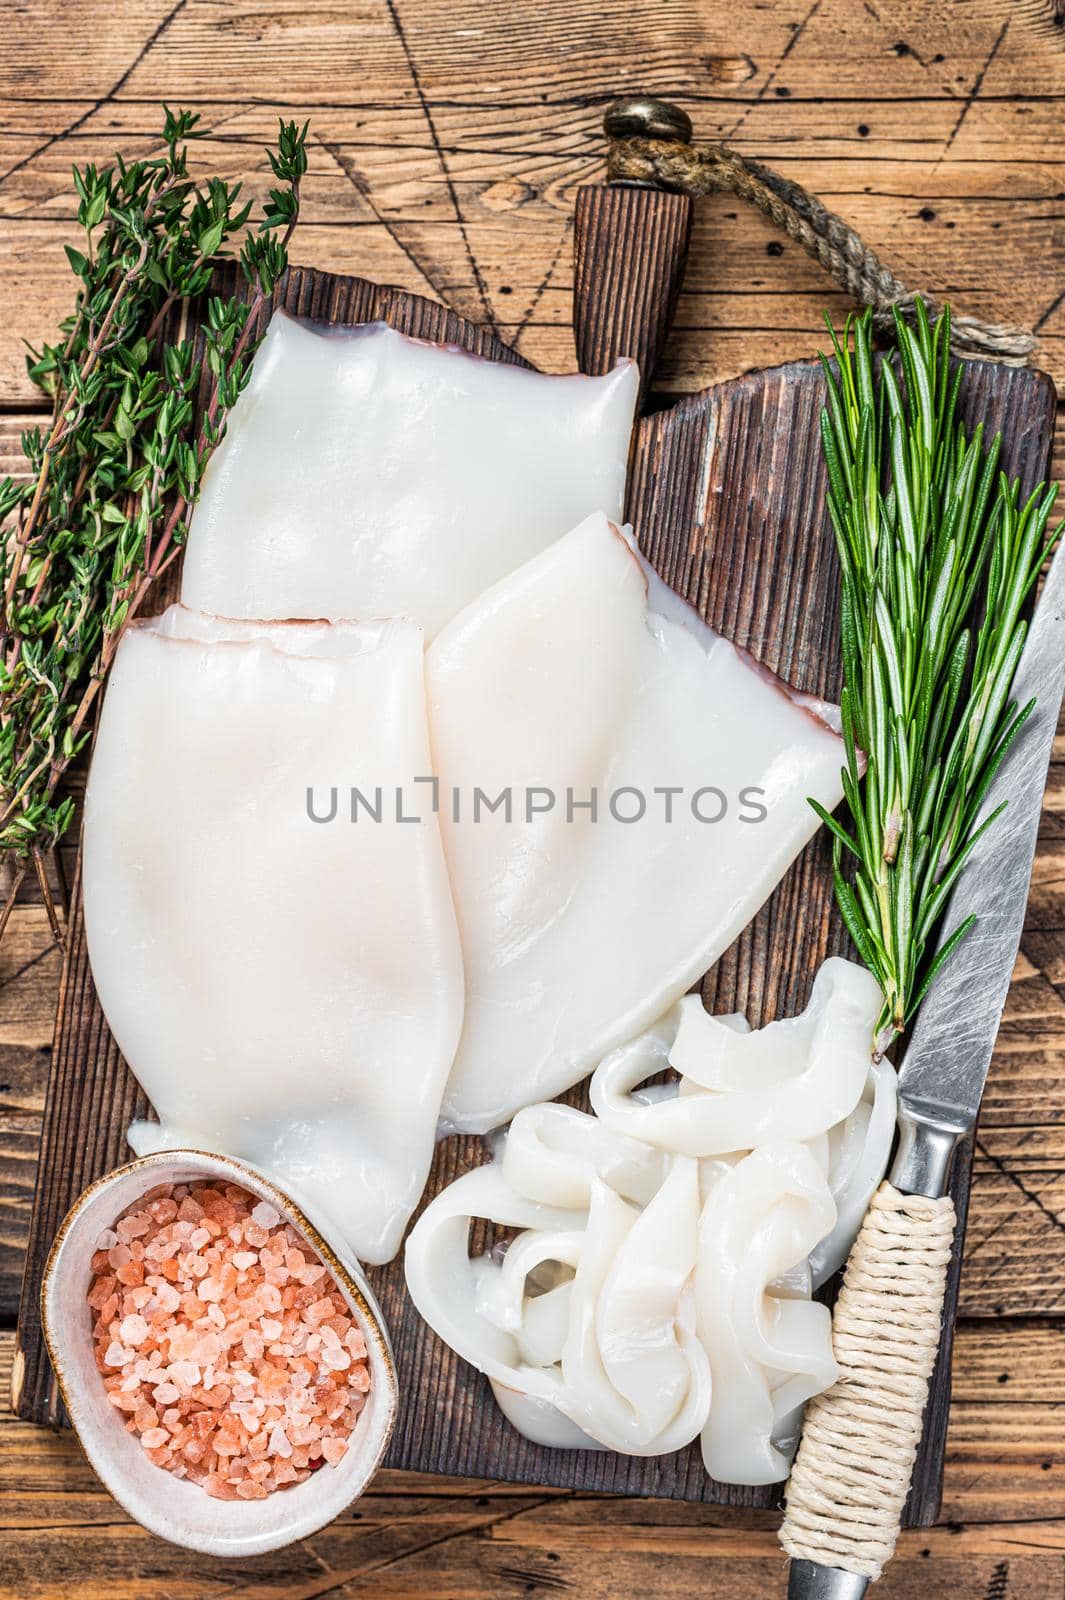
x: 793, y: 1079
x: 639, y: 1375
x: 658, y: 1292
x: 768, y: 1352
x: 582, y: 673
x: 856, y: 1159
x: 364, y: 474
x: 458, y: 1296
x: 540, y: 1422
x: 586, y: 1327
x: 286, y: 991
x: 552, y: 1153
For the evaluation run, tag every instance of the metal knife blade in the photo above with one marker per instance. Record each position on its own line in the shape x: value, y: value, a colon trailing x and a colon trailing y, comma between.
x: 945, y: 1066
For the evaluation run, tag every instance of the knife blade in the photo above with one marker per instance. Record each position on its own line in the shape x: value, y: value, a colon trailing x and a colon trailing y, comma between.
x: 839, y: 1534
x: 945, y: 1066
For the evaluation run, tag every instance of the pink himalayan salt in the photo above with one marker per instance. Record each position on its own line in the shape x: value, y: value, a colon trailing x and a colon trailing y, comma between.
x: 222, y: 1340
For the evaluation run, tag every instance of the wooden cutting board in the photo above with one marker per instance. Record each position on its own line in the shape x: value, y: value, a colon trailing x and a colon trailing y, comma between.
x: 727, y: 496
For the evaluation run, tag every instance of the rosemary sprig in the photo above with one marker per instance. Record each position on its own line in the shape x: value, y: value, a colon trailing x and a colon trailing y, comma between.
x: 938, y: 558
x: 113, y: 476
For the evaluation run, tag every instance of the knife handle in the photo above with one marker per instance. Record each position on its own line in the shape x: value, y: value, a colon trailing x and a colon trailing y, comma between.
x: 852, y: 1474
x: 630, y: 250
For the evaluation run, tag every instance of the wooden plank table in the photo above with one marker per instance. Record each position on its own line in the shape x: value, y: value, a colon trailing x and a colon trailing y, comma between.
x: 448, y: 139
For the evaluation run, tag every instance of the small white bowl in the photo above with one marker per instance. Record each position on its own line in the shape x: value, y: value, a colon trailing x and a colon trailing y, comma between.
x: 173, y: 1507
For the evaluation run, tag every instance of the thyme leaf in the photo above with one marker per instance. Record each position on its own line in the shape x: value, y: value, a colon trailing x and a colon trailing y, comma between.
x: 114, y: 474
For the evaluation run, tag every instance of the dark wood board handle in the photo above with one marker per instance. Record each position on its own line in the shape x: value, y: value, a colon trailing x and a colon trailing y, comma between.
x: 631, y: 246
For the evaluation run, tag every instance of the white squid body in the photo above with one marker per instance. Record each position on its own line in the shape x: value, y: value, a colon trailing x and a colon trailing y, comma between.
x: 768, y: 1352
x: 582, y: 673
x: 364, y: 474
x: 285, y: 992
x: 793, y: 1079
x: 607, y: 1356
x: 661, y: 1288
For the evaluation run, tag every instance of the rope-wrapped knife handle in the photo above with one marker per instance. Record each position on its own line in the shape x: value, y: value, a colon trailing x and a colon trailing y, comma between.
x: 852, y: 1473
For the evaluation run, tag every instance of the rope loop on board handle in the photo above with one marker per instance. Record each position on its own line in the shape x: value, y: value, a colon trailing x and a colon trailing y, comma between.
x: 672, y: 163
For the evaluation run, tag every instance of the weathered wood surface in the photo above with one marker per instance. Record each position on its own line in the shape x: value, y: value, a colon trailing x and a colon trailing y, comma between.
x: 449, y: 141
x: 449, y: 138
x: 419, y: 1538
x: 727, y: 497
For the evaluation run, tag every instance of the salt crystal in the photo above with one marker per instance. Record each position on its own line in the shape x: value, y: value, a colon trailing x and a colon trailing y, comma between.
x: 176, y: 1289
x: 133, y: 1227
x: 249, y: 1490
x: 269, y: 1297
x: 183, y: 1341
x: 279, y: 1445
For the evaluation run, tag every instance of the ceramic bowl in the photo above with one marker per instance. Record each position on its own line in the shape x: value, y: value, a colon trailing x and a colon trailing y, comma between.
x: 173, y: 1507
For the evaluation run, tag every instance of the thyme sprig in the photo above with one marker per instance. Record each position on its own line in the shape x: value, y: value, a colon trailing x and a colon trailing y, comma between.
x: 938, y: 557
x: 113, y: 476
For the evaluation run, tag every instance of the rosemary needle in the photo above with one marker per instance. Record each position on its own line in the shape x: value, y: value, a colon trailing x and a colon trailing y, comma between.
x: 938, y: 558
